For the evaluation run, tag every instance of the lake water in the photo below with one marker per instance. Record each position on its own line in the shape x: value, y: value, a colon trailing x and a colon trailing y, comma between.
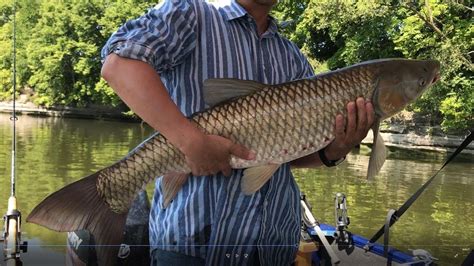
x: 53, y: 152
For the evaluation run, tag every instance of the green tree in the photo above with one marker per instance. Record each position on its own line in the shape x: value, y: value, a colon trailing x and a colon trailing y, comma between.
x: 442, y: 30
x: 335, y: 34
x: 59, y: 45
x: 6, y: 12
x: 116, y: 13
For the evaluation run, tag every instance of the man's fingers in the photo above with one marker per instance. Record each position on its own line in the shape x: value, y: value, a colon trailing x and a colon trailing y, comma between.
x: 241, y: 152
x: 351, y: 120
x: 198, y: 172
x: 340, y: 127
x: 361, y: 116
x: 226, y: 170
x: 370, y: 114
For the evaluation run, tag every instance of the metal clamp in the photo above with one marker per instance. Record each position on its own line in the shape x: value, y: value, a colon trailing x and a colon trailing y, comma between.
x: 12, y: 245
x: 341, y: 219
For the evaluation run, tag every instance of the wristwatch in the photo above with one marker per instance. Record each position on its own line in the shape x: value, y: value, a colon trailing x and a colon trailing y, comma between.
x: 326, y: 161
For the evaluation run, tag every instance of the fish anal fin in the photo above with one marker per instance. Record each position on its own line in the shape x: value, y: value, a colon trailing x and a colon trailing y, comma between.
x: 78, y: 206
x: 255, y: 177
x: 171, y: 183
x: 378, y: 153
x: 221, y: 90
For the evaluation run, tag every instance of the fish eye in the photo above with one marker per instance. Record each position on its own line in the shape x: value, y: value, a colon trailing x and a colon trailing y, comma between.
x: 422, y: 82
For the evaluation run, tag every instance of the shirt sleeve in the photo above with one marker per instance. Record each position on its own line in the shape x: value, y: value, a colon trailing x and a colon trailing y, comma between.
x: 163, y: 37
x: 307, y: 69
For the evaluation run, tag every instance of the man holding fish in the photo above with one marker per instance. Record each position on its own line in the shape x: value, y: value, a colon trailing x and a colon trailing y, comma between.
x: 235, y: 105
x: 157, y: 64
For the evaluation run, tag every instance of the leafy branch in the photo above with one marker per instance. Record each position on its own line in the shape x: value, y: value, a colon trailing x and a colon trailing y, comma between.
x: 428, y: 19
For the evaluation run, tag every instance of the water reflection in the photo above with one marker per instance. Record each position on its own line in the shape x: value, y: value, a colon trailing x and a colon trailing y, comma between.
x: 440, y: 221
x: 53, y: 152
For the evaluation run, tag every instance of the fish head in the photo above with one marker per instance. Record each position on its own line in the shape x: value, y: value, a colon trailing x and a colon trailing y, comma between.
x: 400, y: 82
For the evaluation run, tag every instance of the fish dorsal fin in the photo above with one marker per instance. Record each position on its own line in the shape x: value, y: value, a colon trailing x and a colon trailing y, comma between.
x: 378, y: 154
x: 255, y: 177
x: 220, y: 90
x: 170, y: 185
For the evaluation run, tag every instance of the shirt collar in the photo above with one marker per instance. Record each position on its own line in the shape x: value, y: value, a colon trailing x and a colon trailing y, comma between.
x: 235, y: 11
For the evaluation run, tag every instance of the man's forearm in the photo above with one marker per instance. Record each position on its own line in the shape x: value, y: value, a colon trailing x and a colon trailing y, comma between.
x: 141, y: 88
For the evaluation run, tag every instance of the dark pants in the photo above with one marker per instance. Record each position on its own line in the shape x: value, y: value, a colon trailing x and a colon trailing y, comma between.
x: 168, y: 258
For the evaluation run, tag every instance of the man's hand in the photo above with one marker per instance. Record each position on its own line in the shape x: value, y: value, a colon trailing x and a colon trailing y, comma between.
x: 360, y: 117
x: 210, y: 154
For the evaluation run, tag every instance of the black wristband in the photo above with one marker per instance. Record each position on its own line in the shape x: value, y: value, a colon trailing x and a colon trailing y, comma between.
x: 326, y: 161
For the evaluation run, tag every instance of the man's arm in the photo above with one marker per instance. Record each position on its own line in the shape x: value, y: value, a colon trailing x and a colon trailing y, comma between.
x: 141, y: 88
x: 360, y: 117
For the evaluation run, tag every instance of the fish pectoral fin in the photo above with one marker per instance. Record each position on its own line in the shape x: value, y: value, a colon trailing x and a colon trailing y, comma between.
x: 170, y: 185
x: 220, y: 90
x: 255, y: 177
x: 378, y: 154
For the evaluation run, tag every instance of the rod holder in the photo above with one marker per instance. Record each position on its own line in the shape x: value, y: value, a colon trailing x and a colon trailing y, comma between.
x: 12, y: 245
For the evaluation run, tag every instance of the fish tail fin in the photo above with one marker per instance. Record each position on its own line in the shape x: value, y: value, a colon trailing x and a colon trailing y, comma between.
x: 78, y: 206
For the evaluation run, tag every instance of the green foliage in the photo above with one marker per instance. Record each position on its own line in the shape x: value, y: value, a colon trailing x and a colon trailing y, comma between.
x: 58, y: 48
x: 59, y: 43
x: 5, y: 52
x: 444, y: 31
x: 289, y: 13
x: 457, y: 108
x: 340, y: 33
x: 5, y: 84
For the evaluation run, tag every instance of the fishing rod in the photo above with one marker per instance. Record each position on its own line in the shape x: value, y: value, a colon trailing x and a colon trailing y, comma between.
x: 12, y: 245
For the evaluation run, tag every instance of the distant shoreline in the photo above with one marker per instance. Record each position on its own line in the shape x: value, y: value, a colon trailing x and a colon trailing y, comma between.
x: 412, y: 141
x: 89, y: 112
x: 395, y: 135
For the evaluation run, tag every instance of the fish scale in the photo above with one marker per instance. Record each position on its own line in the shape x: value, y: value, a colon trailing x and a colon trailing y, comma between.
x: 280, y: 123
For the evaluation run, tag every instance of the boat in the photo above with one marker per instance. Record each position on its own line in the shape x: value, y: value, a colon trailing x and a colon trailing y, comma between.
x: 325, y: 244
x: 341, y: 248
x: 355, y: 253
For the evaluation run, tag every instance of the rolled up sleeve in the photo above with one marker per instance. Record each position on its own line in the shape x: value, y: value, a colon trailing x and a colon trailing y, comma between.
x: 163, y: 37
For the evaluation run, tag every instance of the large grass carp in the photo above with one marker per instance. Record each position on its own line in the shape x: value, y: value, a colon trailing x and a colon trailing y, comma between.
x: 280, y: 123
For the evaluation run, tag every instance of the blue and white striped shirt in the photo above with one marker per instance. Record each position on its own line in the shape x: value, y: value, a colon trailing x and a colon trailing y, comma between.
x: 188, y: 42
